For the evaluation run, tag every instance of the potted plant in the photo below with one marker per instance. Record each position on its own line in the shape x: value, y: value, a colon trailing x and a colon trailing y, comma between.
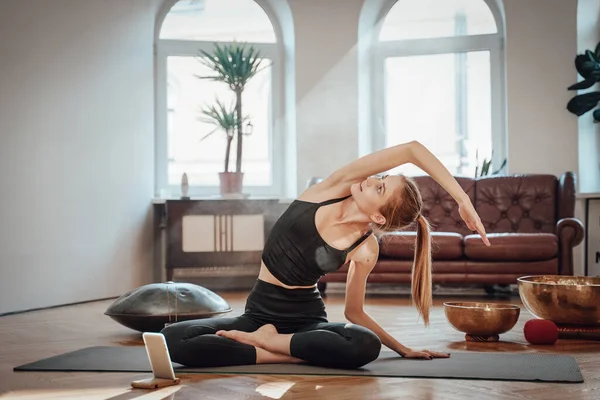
x: 224, y: 119
x: 588, y: 66
x: 233, y: 64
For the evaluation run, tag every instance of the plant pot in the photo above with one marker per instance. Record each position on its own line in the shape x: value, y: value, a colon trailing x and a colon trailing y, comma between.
x: 231, y: 182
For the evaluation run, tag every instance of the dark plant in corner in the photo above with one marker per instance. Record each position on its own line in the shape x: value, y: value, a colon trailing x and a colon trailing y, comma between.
x: 486, y: 165
x: 233, y: 64
x: 588, y: 66
x: 224, y: 119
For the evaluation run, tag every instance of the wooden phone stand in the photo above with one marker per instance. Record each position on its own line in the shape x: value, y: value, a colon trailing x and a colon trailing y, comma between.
x: 154, y: 383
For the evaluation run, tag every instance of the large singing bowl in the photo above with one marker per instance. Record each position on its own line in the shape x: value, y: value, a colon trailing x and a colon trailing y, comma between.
x: 481, y: 319
x: 148, y: 308
x: 566, y: 300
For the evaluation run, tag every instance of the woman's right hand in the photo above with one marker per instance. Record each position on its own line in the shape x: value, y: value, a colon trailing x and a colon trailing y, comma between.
x: 469, y: 215
x: 425, y: 355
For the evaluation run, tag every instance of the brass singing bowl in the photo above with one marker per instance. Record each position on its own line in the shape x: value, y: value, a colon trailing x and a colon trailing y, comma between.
x: 483, y: 319
x: 567, y: 300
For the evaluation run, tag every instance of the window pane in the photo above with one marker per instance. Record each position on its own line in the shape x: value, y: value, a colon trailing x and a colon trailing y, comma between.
x: 203, y: 160
x: 444, y: 102
x: 218, y: 20
x: 421, y: 19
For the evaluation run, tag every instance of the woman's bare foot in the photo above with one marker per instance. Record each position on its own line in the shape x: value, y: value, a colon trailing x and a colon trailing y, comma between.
x: 259, y: 338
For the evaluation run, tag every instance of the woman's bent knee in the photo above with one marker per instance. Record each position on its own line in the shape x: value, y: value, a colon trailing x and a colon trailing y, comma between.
x: 178, y: 334
x: 174, y: 337
x: 172, y: 334
x: 361, y: 346
x: 366, y: 346
x: 175, y: 332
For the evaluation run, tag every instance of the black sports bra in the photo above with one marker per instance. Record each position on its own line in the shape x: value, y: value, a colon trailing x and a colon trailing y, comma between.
x: 295, y: 253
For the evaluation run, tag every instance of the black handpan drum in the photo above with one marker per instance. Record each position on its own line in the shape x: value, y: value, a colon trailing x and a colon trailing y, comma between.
x: 148, y: 308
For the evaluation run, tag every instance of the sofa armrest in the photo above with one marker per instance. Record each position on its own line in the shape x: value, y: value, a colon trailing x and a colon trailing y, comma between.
x: 566, y: 195
x: 570, y: 233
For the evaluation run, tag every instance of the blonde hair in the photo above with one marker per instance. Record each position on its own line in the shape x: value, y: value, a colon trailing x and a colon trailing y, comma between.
x: 402, y: 210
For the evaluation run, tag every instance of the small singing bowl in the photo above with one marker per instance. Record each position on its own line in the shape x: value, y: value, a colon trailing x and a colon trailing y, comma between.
x: 563, y: 299
x: 481, y: 319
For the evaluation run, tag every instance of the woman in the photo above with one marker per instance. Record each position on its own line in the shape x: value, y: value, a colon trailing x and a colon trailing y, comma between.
x: 329, y: 225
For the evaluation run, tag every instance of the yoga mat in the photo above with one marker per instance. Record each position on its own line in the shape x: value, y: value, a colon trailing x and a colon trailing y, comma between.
x: 461, y: 365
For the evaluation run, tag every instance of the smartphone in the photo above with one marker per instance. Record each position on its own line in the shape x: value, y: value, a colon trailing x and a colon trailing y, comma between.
x: 160, y: 362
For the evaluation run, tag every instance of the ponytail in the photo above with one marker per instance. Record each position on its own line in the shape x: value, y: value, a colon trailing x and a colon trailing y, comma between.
x: 421, y: 271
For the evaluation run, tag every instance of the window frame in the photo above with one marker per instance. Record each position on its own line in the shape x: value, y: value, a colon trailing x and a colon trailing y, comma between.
x: 165, y: 48
x: 380, y: 50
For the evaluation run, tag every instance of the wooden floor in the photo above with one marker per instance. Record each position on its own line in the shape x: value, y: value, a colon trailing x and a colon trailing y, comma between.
x: 31, y: 336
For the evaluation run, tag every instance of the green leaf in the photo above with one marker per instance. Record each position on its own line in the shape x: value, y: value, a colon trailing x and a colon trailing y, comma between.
x: 233, y: 64
x: 485, y: 168
x: 585, y: 84
x: 208, y: 134
x: 221, y: 116
x: 585, y: 67
x: 583, y: 103
x: 501, y: 167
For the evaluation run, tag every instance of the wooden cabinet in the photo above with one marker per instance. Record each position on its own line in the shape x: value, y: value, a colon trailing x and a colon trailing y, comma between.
x: 222, y: 233
x: 217, y: 239
x: 592, y: 240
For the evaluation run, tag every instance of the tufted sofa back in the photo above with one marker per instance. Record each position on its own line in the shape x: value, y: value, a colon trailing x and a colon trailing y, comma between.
x: 513, y: 203
x: 440, y: 208
x: 525, y: 204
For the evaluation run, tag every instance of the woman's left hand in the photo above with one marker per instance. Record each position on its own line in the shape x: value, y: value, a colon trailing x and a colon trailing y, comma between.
x: 425, y: 354
x: 469, y: 215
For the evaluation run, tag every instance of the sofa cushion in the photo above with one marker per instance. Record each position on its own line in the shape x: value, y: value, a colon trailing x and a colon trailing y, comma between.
x: 401, y: 245
x: 544, y: 267
x: 512, y: 247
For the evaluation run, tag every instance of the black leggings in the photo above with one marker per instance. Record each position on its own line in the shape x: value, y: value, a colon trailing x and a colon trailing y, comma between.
x: 298, y: 311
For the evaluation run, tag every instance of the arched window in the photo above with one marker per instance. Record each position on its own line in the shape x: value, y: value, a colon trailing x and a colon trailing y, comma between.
x: 436, y: 76
x: 189, y: 27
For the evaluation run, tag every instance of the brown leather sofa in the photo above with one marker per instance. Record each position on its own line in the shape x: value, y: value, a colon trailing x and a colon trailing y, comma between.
x: 528, y: 218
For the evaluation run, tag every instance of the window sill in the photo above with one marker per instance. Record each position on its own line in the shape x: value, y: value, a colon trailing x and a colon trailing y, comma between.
x: 163, y: 200
x: 587, y: 195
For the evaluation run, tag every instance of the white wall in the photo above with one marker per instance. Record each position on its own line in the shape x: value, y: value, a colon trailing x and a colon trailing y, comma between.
x: 541, y: 40
x: 76, y: 149
x: 326, y: 35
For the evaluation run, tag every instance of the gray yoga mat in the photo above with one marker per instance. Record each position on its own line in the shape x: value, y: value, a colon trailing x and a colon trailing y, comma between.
x: 461, y: 365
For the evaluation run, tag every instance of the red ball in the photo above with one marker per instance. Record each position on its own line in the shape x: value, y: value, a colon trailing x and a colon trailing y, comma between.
x: 540, y: 331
